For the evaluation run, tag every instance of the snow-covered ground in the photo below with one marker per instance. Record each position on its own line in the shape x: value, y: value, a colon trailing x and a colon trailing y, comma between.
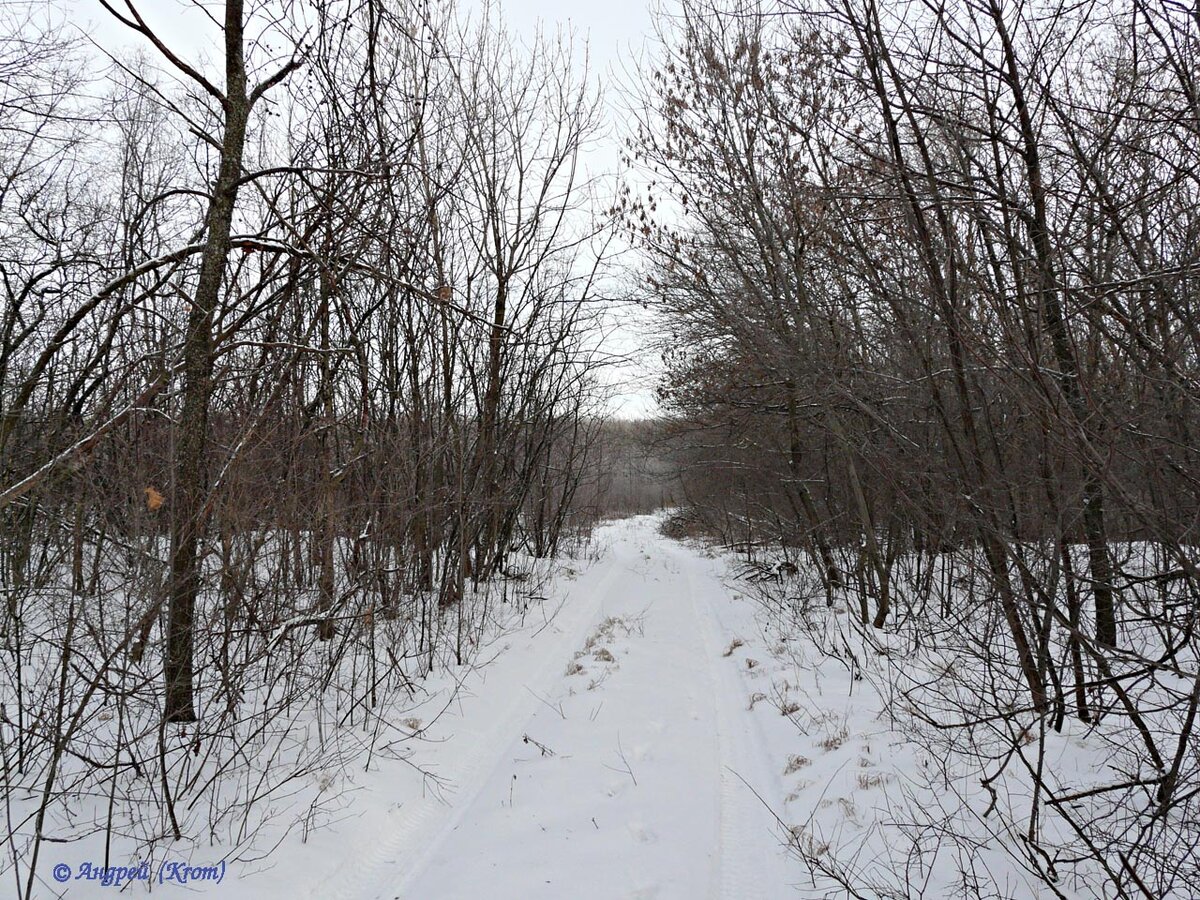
x: 648, y: 731
x: 607, y: 752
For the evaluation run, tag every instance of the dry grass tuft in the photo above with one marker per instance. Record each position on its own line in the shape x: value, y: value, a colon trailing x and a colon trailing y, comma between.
x: 795, y: 763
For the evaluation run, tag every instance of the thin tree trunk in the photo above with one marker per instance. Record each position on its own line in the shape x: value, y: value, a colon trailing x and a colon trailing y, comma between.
x: 190, y: 483
x: 831, y: 576
x: 1069, y: 371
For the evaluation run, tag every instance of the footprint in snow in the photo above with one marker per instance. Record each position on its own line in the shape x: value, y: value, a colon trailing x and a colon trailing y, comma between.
x: 641, y: 833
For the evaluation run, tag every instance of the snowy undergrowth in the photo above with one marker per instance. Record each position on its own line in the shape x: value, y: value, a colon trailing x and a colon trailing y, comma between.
x: 910, y: 754
x: 657, y: 726
x: 290, y: 727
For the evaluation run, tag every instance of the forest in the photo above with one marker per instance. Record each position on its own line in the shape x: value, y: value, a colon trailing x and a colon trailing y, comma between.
x: 928, y: 277
x: 306, y: 373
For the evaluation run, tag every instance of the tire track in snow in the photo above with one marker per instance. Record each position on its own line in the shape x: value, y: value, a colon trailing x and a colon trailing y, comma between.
x: 743, y: 856
x: 751, y: 860
x: 383, y: 869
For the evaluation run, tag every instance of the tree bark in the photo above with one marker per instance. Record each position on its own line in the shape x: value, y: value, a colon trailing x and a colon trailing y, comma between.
x: 187, y: 523
x: 1094, y: 528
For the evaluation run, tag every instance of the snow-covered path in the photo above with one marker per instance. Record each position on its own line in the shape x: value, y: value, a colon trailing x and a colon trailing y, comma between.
x: 610, y: 754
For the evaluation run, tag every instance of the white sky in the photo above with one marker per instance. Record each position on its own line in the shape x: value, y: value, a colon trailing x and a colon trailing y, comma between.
x: 616, y: 32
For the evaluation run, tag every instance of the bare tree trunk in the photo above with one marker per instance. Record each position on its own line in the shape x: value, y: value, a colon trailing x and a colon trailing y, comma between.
x: 1068, y: 366
x: 187, y: 523
x: 327, y: 538
x: 831, y: 576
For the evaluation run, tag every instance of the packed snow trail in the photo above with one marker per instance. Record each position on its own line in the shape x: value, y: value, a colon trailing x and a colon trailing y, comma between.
x: 610, y: 755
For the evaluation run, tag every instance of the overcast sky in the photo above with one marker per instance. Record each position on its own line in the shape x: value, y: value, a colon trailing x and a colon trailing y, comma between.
x: 616, y: 32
